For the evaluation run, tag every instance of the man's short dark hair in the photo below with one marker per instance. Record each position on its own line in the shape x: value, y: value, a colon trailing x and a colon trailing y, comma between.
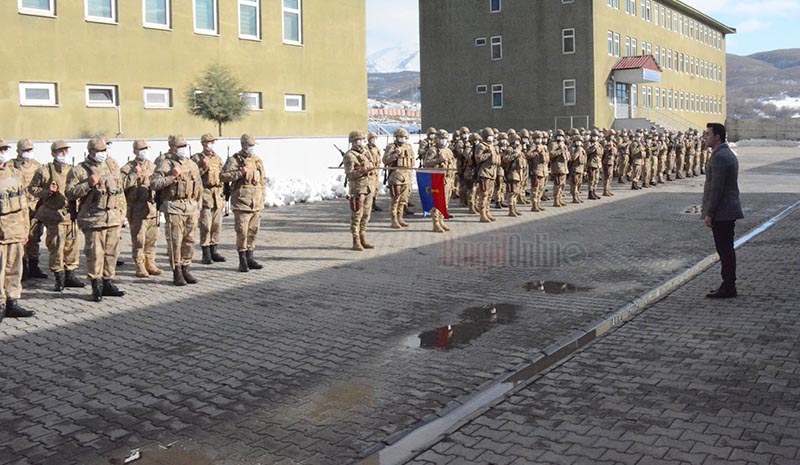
x: 719, y: 130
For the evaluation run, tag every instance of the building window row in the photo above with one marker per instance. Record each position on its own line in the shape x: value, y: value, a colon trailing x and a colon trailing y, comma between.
x: 670, y: 99
x: 157, y: 14
x: 672, y: 59
x: 613, y: 44
x: 45, y: 94
x: 666, y: 18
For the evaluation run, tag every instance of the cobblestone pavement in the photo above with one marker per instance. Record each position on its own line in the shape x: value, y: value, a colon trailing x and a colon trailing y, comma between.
x: 688, y: 381
x: 317, y: 358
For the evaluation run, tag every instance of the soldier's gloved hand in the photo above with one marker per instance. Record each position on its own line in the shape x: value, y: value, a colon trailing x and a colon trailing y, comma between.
x: 93, y: 180
x: 244, y: 171
x: 176, y: 171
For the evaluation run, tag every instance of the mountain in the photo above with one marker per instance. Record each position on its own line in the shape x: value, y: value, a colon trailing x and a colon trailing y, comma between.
x: 764, y: 84
x: 394, y: 60
x: 394, y: 86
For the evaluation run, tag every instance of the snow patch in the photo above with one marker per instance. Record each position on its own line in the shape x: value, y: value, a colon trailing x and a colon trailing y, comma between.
x: 394, y: 60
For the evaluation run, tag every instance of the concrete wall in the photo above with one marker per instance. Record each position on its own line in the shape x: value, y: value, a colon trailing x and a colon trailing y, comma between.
x: 329, y: 67
x: 774, y: 129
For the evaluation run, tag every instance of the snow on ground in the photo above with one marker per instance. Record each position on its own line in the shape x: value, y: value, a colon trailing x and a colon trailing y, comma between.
x: 786, y: 102
x: 297, y: 168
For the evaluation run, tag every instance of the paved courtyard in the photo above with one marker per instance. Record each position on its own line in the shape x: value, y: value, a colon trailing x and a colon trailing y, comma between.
x: 328, y: 353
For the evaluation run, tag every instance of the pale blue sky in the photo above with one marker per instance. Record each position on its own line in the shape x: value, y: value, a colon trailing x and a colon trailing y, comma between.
x: 761, y: 24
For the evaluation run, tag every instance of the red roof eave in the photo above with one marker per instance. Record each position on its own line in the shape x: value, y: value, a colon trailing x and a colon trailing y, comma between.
x: 637, y: 62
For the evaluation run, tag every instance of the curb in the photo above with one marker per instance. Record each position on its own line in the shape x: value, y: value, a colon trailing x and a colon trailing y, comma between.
x: 405, y: 445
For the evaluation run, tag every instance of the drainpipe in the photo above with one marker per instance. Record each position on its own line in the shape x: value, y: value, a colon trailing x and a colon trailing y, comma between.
x: 119, y: 121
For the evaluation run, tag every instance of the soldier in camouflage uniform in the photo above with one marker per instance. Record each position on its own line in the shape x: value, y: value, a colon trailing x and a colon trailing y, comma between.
x: 439, y: 155
x: 487, y: 161
x: 462, y: 149
x: 142, y: 211
x: 538, y: 160
x: 594, y: 153
x: 213, y: 199
x: 27, y: 166
x: 577, y: 167
x: 514, y: 165
x: 559, y: 158
x: 359, y: 166
x: 428, y: 141
x: 609, y: 160
x: 375, y: 155
x: 638, y: 153
x: 399, y: 154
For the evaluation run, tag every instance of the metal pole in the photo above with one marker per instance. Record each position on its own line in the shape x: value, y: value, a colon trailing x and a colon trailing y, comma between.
x: 119, y: 121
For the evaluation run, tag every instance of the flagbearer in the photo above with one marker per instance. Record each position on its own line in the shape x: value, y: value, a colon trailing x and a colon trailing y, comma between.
x: 358, y: 166
x: 440, y: 156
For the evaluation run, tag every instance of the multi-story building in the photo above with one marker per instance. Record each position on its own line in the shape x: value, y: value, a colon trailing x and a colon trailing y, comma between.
x: 76, y: 68
x: 570, y: 63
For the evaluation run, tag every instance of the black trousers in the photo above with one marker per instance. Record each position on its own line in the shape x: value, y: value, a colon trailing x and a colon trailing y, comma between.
x: 723, y: 240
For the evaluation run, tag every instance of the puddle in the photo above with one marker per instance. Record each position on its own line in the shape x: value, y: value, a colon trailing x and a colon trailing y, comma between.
x: 554, y: 287
x: 173, y: 456
x: 474, y: 323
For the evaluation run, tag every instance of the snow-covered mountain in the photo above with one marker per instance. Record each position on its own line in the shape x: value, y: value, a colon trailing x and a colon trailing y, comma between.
x: 394, y: 60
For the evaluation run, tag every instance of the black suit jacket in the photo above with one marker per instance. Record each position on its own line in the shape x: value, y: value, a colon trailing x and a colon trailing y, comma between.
x: 721, y: 190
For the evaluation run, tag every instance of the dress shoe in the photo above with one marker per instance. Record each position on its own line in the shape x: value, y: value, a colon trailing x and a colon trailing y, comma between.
x: 723, y: 293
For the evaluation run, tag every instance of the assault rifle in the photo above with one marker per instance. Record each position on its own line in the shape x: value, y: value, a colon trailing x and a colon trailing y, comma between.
x: 226, y: 190
x: 72, y: 208
x: 342, y: 162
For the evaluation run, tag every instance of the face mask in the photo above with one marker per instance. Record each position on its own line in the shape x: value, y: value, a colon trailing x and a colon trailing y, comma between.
x: 27, y: 155
x: 183, y: 152
x: 560, y: 139
x: 579, y: 143
x: 360, y: 143
x: 465, y: 136
x: 5, y: 155
x: 504, y: 142
x: 490, y: 139
x: 61, y: 159
x: 594, y: 138
x: 100, y: 157
x: 252, y: 150
x: 443, y: 142
x: 525, y: 141
x: 142, y: 155
x: 401, y: 140
x: 431, y: 136
x: 210, y: 147
x: 372, y: 141
x: 538, y: 141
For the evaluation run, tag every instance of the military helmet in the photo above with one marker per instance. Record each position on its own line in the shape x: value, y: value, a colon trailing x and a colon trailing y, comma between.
x: 442, y: 134
x: 502, y: 136
x: 400, y: 132
x: 474, y: 137
x: 372, y: 135
x: 430, y: 130
x: 487, y: 132
x: 355, y: 135
x: 513, y: 137
x: 560, y: 132
x: 595, y: 133
x: 525, y: 133
x: 511, y: 131
x: 577, y: 138
x: 464, y: 130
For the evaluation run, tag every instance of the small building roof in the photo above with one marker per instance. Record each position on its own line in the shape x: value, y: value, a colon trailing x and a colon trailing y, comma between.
x: 637, y: 62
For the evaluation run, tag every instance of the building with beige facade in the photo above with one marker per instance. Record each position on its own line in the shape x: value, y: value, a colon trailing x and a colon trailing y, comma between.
x: 570, y: 63
x: 76, y: 68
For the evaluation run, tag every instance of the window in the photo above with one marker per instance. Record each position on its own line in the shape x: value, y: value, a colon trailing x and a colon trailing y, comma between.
x: 649, y: 16
x: 656, y: 56
x: 664, y: 99
x: 655, y: 7
x: 480, y: 42
x: 101, y: 96
x: 292, y: 22
x: 249, y: 19
x: 634, y: 95
x: 644, y: 48
x: 156, y: 13
x: 649, y: 49
x: 644, y: 96
x: 663, y: 16
x: 610, y: 43
x: 610, y: 91
x: 205, y: 17
x: 198, y: 96
x: 663, y: 61
x: 157, y: 97
x: 252, y: 100
x: 669, y: 59
x: 497, y: 96
x: 495, y: 6
x: 649, y: 97
x: 616, y: 4
x: 616, y: 45
x: 680, y: 24
x: 37, y: 7
x: 567, y: 41
x: 103, y: 11
x: 643, y: 13
x: 497, y: 48
x: 633, y: 46
x: 627, y: 46
x: 658, y: 98
x: 38, y: 94
x: 481, y: 89
x: 569, y: 92
x: 294, y: 102
x: 669, y: 99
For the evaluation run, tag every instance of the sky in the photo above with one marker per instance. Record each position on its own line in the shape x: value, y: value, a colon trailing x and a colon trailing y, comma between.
x: 761, y: 25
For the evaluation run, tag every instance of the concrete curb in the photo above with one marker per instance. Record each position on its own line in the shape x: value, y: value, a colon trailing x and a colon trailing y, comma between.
x: 405, y: 445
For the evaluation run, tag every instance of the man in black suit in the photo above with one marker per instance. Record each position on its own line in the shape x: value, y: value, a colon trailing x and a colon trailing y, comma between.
x: 721, y: 206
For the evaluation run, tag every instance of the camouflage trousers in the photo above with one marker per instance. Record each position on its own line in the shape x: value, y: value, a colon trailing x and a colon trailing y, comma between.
x: 102, y: 251
x: 11, y: 270
x: 144, y: 235
x: 64, y: 249
x: 246, y: 225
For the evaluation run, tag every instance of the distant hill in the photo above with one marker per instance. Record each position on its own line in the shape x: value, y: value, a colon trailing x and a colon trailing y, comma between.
x: 394, y: 60
x: 394, y: 86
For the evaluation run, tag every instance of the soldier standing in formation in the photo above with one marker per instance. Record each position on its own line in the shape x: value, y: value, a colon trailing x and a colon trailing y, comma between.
x: 95, y: 184
x: 375, y: 156
x: 245, y: 171
x: 594, y: 161
x: 610, y: 154
x: 487, y: 161
x: 213, y: 200
x: 359, y: 166
x: 428, y: 141
x: 538, y: 159
x: 27, y: 167
x: 399, y: 156
x: 142, y: 212
x: 559, y: 158
x: 514, y: 165
x: 14, y: 229
x: 177, y: 180
x: 464, y: 169
x: 49, y: 188
x: 576, y: 168
x: 440, y: 156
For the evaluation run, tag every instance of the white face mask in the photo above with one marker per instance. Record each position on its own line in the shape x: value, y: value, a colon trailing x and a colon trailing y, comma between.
x: 443, y: 142
x: 401, y: 140
x: 100, y: 157
x: 5, y: 156
x: 61, y: 159
x: 251, y: 150
x: 183, y: 152
x: 525, y: 140
x: 465, y: 136
x: 210, y: 147
x: 372, y: 141
x: 142, y: 155
x: 538, y: 141
x: 560, y: 139
x: 490, y: 139
x: 360, y: 143
x: 503, y: 142
x: 431, y: 136
x: 594, y: 138
x: 27, y: 155
x: 579, y: 143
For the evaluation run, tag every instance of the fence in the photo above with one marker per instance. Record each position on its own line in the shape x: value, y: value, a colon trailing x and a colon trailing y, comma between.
x: 771, y: 128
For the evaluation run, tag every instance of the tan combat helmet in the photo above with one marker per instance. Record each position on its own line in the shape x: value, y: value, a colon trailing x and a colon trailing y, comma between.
x: 355, y: 135
x: 464, y: 130
x: 560, y: 133
x: 524, y: 133
x: 511, y: 131
x: 503, y: 136
x: 431, y: 131
x: 513, y: 138
x: 97, y: 144
x: 486, y: 133
x: 400, y: 132
x: 372, y: 135
x: 442, y: 134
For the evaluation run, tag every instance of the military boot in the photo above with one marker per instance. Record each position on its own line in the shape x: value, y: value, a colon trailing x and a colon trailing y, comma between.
x: 177, y: 276
x: 59, y: 275
x: 251, y: 262
x: 511, y: 212
x: 395, y: 214
x: 150, y: 266
x: 364, y: 243
x: 206, y: 255
x: 442, y: 225
x: 13, y: 310
x: 33, y: 269
x: 110, y: 290
x: 70, y: 280
x: 484, y: 215
x: 472, y: 209
x: 187, y: 275
x: 141, y: 271
x: 400, y: 219
x: 357, y: 246
x: 97, y: 290
x: 489, y: 214
x: 243, y: 262
x: 215, y: 256
x: 436, y: 227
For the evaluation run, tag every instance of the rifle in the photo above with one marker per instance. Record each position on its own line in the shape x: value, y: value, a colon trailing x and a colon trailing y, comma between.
x: 157, y: 195
x: 72, y: 207
x: 226, y: 190
x: 342, y: 162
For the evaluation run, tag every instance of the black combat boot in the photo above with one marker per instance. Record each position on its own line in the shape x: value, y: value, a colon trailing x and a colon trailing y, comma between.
x: 251, y: 262
x: 25, y: 269
x: 97, y: 290
x: 177, y: 276
x: 59, y: 281
x: 215, y: 256
x: 33, y: 269
x: 70, y: 280
x: 13, y: 310
x: 243, y: 262
x: 206, y: 255
x: 110, y: 290
x: 187, y: 275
